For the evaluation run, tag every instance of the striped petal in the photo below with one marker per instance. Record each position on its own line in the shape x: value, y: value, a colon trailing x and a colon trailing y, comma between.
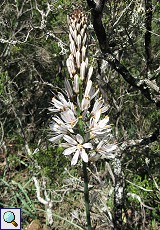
x: 79, y: 138
x: 75, y: 158
x: 69, y: 150
x: 84, y: 155
x: 70, y: 140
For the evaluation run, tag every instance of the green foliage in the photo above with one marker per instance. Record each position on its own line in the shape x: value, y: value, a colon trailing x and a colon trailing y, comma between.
x: 52, y: 162
x: 19, y: 196
x: 31, y: 70
x: 3, y: 79
x: 145, y: 189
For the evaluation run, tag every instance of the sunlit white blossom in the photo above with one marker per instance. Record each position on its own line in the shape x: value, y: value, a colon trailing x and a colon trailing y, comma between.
x: 105, y: 148
x: 70, y: 65
x: 99, y: 127
x: 59, y: 128
x: 69, y: 117
x: 76, y: 146
x: 81, y: 110
x: 89, y: 94
x: 83, y: 53
x: 86, y: 99
x: 60, y: 105
x: 98, y: 109
x: 103, y: 151
x: 72, y: 47
x: 79, y: 41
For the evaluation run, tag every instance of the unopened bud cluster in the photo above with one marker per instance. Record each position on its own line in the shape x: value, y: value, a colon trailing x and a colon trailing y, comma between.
x: 78, y: 60
x: 82, y: 126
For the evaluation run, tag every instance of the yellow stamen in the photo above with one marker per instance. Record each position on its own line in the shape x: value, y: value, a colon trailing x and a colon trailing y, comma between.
x: 79, y: 146
x: 87, y: 97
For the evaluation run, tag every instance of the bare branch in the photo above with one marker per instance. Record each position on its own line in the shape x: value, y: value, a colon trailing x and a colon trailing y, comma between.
x: 144, y: 189
x: 142, y: 142
x: 148, y: 24
x: 115, y: 63
x: 135, y: 196
x: 47, y: 201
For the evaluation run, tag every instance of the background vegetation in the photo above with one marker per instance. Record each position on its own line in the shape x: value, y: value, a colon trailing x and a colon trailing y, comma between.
x: 33, y: 47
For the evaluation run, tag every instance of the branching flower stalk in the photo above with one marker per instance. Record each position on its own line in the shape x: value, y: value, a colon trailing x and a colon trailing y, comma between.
x: 79, y: 119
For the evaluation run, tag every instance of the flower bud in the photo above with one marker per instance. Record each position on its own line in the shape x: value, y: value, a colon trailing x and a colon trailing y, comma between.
x: 82, y: 32
x: 83, y: 50
x: 78, y: 26
x: 72, y: 48
x: 84, y: 39
x: 71, y: 31
x: 79, y: 41
x: 78, y: 61
x: 76, y: 84
x: 90, y: 71
x: 82, y: 70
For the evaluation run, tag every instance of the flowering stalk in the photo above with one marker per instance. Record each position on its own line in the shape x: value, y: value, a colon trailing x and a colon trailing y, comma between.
x: 77, y: 23
x: 81, y: 124
x: 86, y: 195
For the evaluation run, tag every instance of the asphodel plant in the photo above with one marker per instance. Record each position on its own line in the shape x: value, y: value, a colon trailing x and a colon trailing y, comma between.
x: 80, y: 124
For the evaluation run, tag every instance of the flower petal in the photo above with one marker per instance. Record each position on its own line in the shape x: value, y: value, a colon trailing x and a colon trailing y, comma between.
x: 69, y: 150
x: 79, y: 138
x: 103, y: 122
x: 100, y: 144
x: 110, y: 148
x: 88, y: 146
x: 69, y: 117
x: 75, y: 158
x: 84, y: 155
x: 56, y: 138
x: 70, y: 140
x: 68, y: 88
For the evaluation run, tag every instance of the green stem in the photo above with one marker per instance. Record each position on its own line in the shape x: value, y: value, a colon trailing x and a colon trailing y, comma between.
x: 85, y: 173
x: 86, y: 195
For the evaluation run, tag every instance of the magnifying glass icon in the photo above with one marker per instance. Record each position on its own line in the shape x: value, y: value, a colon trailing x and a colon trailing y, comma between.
x: 9, y: 217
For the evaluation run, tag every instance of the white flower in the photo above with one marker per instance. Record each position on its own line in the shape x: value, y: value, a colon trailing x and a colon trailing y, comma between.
x: 72, y: 48
x: 104, y: 147
x: 68, y: 116
x: 78, y: 40
x: 89, y: 94
x: 59, y: 129
x: 98, y: 127
x: 86, y: 99
x: 77, y: 147
x: 103, y: 151
x: 56, y: 138
x: 98, y: 109
x: 61, y: 105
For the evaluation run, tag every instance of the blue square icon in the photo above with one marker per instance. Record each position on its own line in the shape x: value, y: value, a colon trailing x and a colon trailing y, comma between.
x: 10, y: 219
